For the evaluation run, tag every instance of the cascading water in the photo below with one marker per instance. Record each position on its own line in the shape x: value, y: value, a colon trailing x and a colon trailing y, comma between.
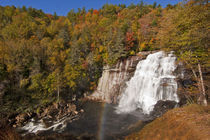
x: 153, y: 81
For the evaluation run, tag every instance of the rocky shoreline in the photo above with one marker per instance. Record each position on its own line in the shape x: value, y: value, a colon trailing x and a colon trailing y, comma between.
x: 55, y: 111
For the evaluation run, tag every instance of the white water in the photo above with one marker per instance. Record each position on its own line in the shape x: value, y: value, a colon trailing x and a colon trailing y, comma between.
x: 153, y: 81
x: 34, y: 127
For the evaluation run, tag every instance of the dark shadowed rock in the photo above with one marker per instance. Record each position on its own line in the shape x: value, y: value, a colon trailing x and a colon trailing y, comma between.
x: 161, y: 107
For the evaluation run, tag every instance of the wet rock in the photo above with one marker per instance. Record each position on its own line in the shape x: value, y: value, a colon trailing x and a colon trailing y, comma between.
x: 75, y: 112
x: 161, y: 107
x: 71, y: 108
x: 57, y: 111
x: 114, y: 78
x: 46, y: 122
x: 20, y: 119
x: 56, y: 105
x: 82, y: 110
x: 50, y: 111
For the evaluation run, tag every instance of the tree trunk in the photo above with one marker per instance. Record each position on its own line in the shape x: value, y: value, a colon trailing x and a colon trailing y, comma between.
x: 202, y: 97
x: 58, y: 92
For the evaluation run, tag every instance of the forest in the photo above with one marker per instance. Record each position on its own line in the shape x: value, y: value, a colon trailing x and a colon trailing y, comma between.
x: 46, y: 58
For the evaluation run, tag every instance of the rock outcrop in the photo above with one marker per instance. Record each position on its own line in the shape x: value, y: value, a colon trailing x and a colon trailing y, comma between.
x: 54, y: 112
x: 162, y: 107
x: 114, y: 78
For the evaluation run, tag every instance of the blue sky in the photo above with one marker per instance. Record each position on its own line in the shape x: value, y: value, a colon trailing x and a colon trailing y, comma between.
x: 62, y: 7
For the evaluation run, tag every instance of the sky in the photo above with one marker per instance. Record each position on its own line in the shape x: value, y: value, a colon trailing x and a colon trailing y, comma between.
x: 62, y: 7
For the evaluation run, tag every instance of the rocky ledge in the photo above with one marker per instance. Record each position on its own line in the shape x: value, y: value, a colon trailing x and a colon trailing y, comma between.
x: 162, y: 107
x: 55, y: 112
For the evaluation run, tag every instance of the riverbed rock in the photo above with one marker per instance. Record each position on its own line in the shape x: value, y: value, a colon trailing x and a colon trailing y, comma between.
x: 21, y: 118
x: 50, y: 111
x: 71, y: 108
x: 82, y: 110
x: 46, y: 122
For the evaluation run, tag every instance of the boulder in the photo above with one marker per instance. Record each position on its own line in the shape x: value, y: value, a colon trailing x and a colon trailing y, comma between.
x: 50, y: 111
x: 162, y: 107
x: 21, y: 118
x: 71, y: 108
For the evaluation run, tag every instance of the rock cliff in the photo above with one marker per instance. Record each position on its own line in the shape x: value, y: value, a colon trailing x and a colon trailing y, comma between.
x: 114, y: 78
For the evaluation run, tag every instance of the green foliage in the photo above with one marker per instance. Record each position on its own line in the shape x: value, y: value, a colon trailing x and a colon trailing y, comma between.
x: 154, y: 22
x: 185, y: 30
x: 43, y: 56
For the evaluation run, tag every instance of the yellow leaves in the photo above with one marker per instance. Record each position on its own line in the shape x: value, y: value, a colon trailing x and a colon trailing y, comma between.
x: 24, y: 82
x: 104, y: 22
x: 105, y: 56
x: 101, y: 48
x: 36, y: 82
x: 52, y: 28
x: 56, y: 52
x: 135, y: 27
x: 71, y: 73
x: 11, y: 68
x: 142, y: 46
x: 132, y: 52
x: 67, y: 22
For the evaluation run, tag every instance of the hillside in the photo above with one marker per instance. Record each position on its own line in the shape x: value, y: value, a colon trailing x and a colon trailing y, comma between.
x: 46, y: 59
x: 187, y: 123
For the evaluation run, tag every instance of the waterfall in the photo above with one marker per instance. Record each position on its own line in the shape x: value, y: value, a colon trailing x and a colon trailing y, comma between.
x: 153, y: 81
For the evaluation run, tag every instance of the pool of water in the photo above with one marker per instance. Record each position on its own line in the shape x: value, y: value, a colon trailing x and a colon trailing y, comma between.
x: 99, y: 120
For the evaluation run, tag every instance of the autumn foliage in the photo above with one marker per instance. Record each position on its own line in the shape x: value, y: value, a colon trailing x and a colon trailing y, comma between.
x: 44, y: 55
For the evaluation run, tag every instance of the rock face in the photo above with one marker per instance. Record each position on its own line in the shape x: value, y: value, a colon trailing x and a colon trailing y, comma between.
x: 185, y: 80
x: 114, y: 78
x: 162, y: 107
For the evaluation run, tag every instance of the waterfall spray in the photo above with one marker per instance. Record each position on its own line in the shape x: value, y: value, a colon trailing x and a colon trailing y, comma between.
x: 153, y: 81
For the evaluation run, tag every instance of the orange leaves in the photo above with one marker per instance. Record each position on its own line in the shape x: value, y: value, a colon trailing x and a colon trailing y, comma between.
x: 95, y: 12
x: 49, y: 16
x: 129, y: 40
x: 88, y: 14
